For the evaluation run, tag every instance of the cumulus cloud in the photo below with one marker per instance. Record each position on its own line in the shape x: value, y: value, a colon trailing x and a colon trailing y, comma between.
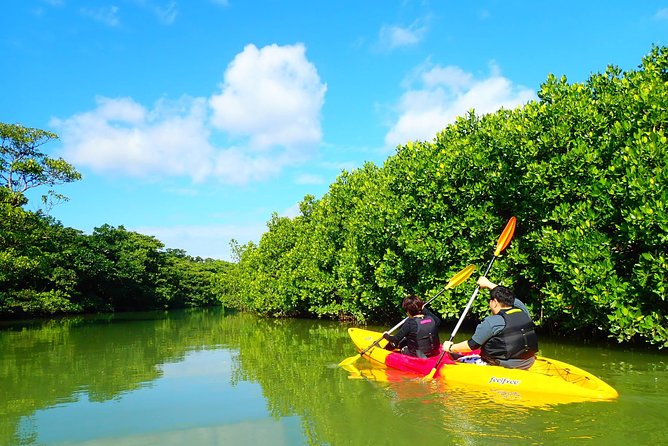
x: 268, y: 113
x: 273, y: 95
x: 436, y: 96
x: 392, y: 36
x: 122, y: 136
x: 237, y: 166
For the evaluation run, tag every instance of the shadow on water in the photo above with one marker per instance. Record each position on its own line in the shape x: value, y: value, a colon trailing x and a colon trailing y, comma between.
x: 211, y: 377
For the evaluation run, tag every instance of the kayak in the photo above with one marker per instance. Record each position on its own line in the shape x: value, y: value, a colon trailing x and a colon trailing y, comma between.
x: 548, y: 381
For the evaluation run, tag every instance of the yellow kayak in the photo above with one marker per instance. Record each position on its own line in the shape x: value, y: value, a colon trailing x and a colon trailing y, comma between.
x: 547, y: 381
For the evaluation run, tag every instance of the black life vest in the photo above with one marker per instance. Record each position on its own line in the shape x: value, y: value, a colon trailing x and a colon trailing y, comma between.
x: 426, y: 337
x: 517, y: 340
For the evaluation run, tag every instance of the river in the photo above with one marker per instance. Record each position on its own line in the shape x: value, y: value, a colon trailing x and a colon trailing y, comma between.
x: 210, y: 377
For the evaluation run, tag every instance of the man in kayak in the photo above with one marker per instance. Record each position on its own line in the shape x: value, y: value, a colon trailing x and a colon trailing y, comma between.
x: 418, y: 336
x: 506, y: 337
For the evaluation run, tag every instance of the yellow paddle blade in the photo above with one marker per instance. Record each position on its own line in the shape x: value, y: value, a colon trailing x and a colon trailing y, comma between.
x: 430, y: 376
x: 460, y: 277
x: 505, y: 237
x: 350, y: 360
x: 352, y: 369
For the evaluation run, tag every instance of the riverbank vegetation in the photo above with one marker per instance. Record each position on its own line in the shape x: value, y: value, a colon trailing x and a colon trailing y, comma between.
x: 584, y: 169
x: 48, y: 269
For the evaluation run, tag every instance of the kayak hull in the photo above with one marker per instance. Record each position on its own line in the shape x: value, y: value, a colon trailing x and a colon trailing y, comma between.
x: 547, y: 381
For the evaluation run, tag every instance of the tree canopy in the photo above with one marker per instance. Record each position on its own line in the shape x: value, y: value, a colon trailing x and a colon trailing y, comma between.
x: 24, y: 166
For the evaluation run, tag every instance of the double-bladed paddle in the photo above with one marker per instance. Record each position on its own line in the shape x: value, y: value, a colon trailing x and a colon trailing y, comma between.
x: 458, y: 278
x: 501, y: 244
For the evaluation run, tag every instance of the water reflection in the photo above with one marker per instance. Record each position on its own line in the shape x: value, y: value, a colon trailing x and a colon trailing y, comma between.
x: 209, y: 377
x: 98, y: 359
x: 192, y: 398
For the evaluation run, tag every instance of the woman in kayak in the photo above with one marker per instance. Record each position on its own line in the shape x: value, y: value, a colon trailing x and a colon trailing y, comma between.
x: 506, y: 337
x: 419, y: 334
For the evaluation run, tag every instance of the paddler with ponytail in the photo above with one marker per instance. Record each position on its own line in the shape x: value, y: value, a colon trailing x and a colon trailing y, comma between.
x: 506, y: 337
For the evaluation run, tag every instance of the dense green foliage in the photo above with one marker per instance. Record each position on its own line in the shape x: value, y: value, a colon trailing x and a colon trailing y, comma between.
x: 24, y: 166
x: 584, y: 170
x: 47, y: 269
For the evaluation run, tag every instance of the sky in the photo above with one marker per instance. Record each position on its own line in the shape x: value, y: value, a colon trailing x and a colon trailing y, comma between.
x: 194, y: 121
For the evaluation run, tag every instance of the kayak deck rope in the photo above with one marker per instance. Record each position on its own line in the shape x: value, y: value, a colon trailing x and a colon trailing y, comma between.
x: 565, y: 373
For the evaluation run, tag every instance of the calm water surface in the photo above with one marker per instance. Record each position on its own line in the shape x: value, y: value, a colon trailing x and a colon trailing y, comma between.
x: 207, y: 377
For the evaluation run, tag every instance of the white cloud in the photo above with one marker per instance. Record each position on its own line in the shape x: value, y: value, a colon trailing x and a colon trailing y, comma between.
x: 292, y: 211
x: 392, y: 36
x: 451, y: 77
x: 206, y: 241
x: 269, y: 106
x: 661, y: 14
x: 120, y: 135
x: 107, y: 15
x: 443, y: 94
x: 310, y: 179
x: 273, y: 95
x: 238, y: 167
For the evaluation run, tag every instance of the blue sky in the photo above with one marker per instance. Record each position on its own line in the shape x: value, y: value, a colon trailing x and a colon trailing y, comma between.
x: 194, y: 120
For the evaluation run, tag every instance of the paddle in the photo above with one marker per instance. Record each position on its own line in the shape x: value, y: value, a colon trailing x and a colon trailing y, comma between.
x: 458, y: 278
x: 501, y: 244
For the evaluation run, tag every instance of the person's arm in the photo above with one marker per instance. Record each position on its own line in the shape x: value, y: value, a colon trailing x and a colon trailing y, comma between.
x: 485, y: 330
x: 484, y: 282
x: 395, y: 340
x: 460, y: 347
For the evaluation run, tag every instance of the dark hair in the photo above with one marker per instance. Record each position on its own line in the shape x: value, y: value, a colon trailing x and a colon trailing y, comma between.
x: 503, y: 295
x: 412, y: 305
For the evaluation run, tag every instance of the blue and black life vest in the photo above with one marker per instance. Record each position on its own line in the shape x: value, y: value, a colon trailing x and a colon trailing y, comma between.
x: 517, y: 340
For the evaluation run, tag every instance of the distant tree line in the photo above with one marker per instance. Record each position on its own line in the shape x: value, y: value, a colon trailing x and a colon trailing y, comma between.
x: 48, y: 269
x: 585, y: 171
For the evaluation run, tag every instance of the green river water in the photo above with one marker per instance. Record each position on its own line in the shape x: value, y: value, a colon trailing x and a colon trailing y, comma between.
x: 207, y: 377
